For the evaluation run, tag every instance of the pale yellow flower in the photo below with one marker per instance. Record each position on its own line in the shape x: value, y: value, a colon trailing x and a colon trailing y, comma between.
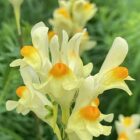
x: 83, y: 11
x: 85, y: 123
x: 32, y: 100
x: 127, y: 127
x: 111, y: 75
x: 128, y: 123
x: 72, y: 16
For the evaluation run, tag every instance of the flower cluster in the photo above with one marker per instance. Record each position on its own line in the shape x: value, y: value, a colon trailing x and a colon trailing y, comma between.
x: 127, y: 127
x: 72, y: 17
x: 54, y: 75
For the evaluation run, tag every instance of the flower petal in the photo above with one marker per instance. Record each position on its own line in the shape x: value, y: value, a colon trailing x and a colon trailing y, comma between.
x: 74, y: 43
x: 64, y: 47
x: 96, y: 129
x: 29, y: 75
x: 17, y: 62
x: 116, y: 54
x: 87, y: 69
x: 120, y: 85
x: 39, y: 35
x: 10, y: 105
x: 54, y: 48
x: 137, y: 134
x: 107, y: 118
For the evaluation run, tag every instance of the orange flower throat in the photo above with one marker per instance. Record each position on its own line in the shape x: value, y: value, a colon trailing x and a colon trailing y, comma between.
x: 90, y: 113
x: 20, y: 90
x: 59, y: 70
x: 120, y: 72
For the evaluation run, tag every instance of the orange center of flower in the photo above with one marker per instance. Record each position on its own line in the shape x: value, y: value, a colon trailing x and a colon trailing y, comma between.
x: 96, y: 101
x: 63, y: 12
x: 51, y: 34
x: 90, y: 113
x: 20, y: 90
x: 120, y: 72
x: 59, y: 70
x: 27, y: 51
x: 127, y: 121
x: 123, y: 136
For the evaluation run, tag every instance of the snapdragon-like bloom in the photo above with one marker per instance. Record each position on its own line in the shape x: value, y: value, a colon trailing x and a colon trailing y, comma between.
x: 32, y: 100
x: 127, y: 127
x: 84, y: 123
x: 72, y: 17
x: 111, y: 75
x: 29, y: 100
x: 58, y: 75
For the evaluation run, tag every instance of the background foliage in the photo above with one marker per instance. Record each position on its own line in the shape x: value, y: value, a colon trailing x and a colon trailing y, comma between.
x: 114, y: 18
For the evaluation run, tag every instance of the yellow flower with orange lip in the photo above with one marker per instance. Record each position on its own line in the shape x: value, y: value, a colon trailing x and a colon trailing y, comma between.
x: 128, y: 123
x: 111, y: 74
x: 32, y: 100
x: 127, y: 127
x: 83, y: 11
x: 72, y: 16
x: 29, y: 100
x: 86, y: 122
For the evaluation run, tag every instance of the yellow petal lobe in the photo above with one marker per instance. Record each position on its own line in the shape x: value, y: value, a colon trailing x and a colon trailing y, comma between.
x: 87, y: 6
x: 90, y: 113
x: 63, y: 12
x: 127, y: 121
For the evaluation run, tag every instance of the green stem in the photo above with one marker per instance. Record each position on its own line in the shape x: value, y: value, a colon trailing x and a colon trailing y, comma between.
x: 17, y: 17
x: 64, y: 134
x: 65, y: 115
x: 38, y: 129
x: 53, y: 123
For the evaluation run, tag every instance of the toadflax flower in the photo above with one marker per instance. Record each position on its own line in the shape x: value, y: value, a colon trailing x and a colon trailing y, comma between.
x: 111, y: 75
x: 127, y: 127
x: 72, y: 17
x: 16, y: 5
x: 85, y: 123
x: 58, y: 75
x: 32, y: 100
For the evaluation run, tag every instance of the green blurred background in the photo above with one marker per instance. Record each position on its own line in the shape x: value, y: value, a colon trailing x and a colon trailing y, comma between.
x: 114, y: 18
